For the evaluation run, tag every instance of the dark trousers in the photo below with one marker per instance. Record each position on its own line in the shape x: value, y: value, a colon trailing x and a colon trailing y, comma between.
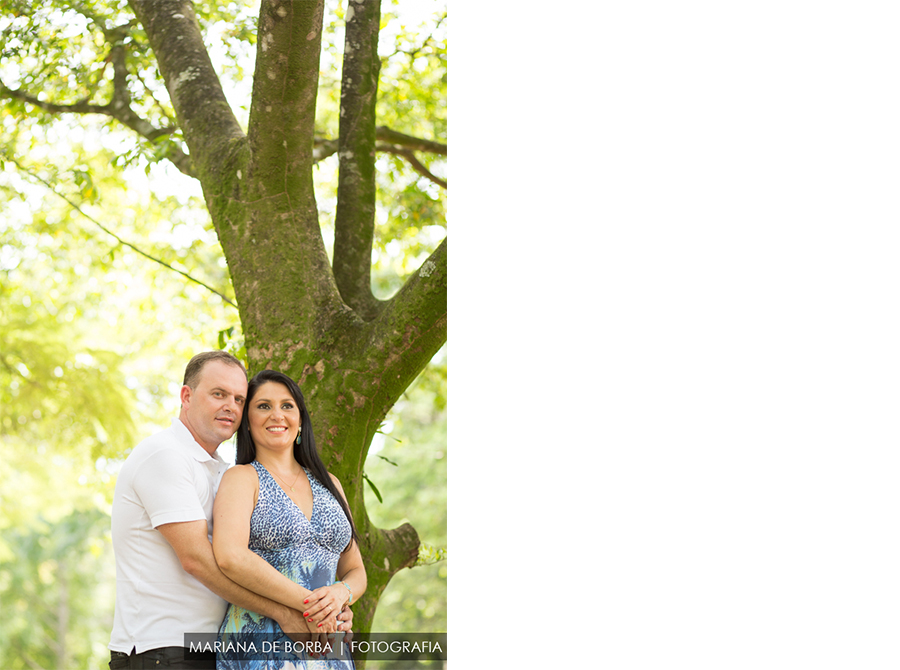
x: 164, y: 657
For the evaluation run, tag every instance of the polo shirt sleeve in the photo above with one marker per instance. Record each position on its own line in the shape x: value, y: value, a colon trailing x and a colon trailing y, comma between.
x: 165, y: 485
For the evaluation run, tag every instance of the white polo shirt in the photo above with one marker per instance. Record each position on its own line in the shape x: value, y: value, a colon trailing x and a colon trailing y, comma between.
x: 167, y: 478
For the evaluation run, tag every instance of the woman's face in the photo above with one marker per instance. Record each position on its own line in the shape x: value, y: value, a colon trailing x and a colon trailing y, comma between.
x: 273, y: 417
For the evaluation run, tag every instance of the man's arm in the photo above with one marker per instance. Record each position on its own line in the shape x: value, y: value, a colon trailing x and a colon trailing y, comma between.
x: 191, y: 545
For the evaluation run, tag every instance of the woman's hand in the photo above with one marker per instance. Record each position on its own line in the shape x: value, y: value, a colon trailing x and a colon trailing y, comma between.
x: 324, y: 604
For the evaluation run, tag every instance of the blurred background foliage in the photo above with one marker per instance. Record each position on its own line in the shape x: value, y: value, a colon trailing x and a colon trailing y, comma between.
x: 408, y: 467
x: 94, y: 336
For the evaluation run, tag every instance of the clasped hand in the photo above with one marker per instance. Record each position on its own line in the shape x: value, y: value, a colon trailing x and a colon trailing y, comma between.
x: 323, y: 605
x: 306, y: 632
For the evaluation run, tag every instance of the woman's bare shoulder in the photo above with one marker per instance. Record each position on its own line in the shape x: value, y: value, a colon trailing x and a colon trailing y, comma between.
x: 241, y: 474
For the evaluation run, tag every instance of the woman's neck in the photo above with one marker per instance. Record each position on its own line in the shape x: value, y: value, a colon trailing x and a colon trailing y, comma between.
x: 282, y: 463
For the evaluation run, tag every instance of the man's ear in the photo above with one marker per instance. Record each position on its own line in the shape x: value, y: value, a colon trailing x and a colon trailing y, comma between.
x: 185, y: 395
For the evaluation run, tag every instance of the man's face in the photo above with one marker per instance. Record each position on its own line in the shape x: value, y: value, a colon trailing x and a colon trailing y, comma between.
x: 212, y: 411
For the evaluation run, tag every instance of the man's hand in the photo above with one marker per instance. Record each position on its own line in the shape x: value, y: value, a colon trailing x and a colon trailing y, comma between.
x: 296, y: 627
x: 293, y: 624
x: 345, y: 622
x: 340, y: 640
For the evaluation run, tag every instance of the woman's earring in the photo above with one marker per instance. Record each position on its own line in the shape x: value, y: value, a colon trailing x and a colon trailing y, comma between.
x: 297, y: 441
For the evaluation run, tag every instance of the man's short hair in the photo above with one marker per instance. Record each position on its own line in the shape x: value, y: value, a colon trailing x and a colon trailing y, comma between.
x: 195, y: 365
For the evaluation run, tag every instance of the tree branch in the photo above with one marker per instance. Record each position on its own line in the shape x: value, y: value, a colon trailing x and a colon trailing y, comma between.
x: 121, y: 110
x: 389, y: 136
x: 415, y: 52
x: 354, y: 221
x: 119, y: 106
x: 392, y: 142
x: 323, y: 148
x: 106, y: 230
x: 413, y: 324
x: 81, y: 107
x: 282, y: 112
x: 112, y: 34
x: 419, y: 167
x: 203, y: 113
x: 398, y: 548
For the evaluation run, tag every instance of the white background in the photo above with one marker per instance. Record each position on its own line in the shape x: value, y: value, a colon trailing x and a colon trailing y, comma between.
x: 675, y: 334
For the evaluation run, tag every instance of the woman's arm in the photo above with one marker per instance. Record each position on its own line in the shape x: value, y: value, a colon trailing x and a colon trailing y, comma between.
x: 234, y: 504
x: 328, y: 600
x: 191, y: 544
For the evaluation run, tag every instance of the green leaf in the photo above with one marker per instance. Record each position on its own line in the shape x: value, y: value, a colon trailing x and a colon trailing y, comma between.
x: 224, y: 335
x: 386, y: 435
x: 374, y: 488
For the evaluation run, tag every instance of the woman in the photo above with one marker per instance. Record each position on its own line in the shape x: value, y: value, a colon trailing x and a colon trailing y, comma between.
x: 282, y: 528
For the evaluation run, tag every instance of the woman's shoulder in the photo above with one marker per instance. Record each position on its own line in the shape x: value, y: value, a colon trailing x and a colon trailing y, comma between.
x: 337, y: 484
x: 241, y: 474
x: 240, y: 483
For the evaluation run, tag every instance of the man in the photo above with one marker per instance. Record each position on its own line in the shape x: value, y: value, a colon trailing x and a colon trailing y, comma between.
x: 167, y: 579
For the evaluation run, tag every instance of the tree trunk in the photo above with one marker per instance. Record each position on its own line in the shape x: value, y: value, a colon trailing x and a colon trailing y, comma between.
x: 352, y: 355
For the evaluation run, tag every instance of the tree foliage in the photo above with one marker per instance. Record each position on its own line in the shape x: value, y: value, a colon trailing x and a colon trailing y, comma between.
x: 55, y: 554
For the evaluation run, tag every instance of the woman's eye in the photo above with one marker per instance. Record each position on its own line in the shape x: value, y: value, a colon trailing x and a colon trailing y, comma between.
x: 287, y: 405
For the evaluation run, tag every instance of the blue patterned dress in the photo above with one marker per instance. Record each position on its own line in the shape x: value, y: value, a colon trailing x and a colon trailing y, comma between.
x: 306, y: 551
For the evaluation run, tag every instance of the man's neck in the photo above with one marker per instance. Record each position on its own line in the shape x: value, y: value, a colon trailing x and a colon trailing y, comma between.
x: 209, y: 450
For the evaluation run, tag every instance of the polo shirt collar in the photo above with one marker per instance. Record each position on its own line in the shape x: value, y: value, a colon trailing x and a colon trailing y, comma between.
x: 199, y: 453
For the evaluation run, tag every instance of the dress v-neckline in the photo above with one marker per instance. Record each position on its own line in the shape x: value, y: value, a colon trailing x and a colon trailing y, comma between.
x: 312, y: 492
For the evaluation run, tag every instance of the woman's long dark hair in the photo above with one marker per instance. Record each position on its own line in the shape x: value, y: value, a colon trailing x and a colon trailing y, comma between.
x: 304, y: 453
